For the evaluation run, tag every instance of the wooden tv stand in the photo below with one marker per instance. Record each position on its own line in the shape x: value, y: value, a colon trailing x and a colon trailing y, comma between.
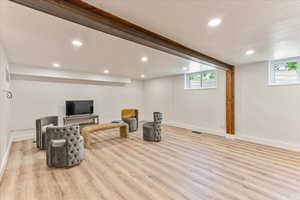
x: 82, y: 120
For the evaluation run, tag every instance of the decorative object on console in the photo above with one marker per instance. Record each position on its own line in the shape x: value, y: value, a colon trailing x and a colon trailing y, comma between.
x: 116, y: 121
x: 152, y: 130
x: 65, y: 146
x: 41, y: 125
x: 131, y: 117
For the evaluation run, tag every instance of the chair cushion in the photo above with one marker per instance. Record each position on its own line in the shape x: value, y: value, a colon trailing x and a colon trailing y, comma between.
x: 132, y: 123
x: 45, y: 127
x: 58, y: 143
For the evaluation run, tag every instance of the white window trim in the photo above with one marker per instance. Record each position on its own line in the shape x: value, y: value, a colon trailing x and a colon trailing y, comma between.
x: 283, y: 84
x: 270, y: 72
x: 207, y: 88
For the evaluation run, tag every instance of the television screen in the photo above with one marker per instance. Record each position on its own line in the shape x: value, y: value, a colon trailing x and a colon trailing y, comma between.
x: 79, y: 107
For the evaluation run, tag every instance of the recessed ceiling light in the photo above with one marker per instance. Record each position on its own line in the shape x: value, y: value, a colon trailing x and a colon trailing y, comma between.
x: 214, y: 22
x: 56, y: 65
x: 184, y: 68
x: 106, y: 71
x: 142, y: 75
x: 77, y: 43
x: 250, y: 52
x: 144, y: 59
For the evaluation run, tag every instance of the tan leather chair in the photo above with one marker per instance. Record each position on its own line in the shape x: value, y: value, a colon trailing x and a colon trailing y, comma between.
x: 131, y: 117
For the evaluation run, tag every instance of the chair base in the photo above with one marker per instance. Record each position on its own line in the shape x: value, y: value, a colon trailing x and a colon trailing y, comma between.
x: 150, y: 133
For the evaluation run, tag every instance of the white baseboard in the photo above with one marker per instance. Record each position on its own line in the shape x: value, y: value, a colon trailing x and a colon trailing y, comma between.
x: 195, y: 128
x: 25, y: 134
x: 3, y: 162
x: 274, y: 143
x: 15, y: 136
x: 230, y: 136
x: 263, y: 141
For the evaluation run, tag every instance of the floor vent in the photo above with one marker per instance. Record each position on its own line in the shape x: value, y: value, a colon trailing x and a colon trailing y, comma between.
x: 196, y: 132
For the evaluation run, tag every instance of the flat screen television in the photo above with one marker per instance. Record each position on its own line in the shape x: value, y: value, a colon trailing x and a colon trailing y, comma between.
x: 79, y: 107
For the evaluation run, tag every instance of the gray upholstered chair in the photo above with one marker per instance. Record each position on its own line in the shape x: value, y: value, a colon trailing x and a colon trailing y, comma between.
x: 65, y: 146
x: 152, y: 130
x: 41, y: 125
x: 131, y: 117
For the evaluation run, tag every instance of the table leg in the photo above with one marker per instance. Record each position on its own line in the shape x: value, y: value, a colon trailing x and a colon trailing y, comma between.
x: 123, y: 131
x: 87, y: 141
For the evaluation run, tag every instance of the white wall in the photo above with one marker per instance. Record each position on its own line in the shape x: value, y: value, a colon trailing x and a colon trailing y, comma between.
x: 266, y: 114
x: 201, y: 110
x: 34, y: 99
x: 4, y: 111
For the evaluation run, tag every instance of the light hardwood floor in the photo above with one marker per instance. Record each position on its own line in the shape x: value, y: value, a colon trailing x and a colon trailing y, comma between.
x: 183, y: 166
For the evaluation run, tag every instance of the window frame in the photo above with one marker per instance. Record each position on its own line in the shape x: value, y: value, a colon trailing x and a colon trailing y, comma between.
x: 271, y: 76
x: 186, y: 75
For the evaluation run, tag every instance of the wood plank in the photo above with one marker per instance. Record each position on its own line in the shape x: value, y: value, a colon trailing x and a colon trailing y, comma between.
x: 87, y: 15
x: 182, y: 166
x: 230, y: 118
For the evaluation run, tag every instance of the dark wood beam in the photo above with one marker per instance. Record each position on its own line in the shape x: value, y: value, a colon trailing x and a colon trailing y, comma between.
x: 230, y: 118
x: 87, y: 15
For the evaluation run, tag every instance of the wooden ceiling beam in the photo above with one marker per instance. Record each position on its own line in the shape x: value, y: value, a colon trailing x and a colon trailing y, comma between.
x: 95, y: 18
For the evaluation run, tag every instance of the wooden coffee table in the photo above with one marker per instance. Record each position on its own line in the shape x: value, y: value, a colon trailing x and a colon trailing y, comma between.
x: 90, y: 129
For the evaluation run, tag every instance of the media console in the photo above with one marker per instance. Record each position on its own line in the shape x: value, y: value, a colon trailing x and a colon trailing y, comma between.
x: 82, y: 120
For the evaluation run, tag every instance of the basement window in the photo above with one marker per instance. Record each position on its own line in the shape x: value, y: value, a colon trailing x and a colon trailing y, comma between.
x: 201, y: 80
x: 284, y: 72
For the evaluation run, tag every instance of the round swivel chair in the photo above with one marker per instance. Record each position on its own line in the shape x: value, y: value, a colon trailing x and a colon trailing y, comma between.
x: 152, y: 130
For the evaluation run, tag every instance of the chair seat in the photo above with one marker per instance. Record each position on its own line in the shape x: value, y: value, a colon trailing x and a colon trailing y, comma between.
x: 148, y: 125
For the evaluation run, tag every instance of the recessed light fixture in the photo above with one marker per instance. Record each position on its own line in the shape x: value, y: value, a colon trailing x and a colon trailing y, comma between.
x: 184, y: 68
x: 77, y: 43
x: 250, y: 52
x: 106, y: 71
x: 56, y: 65
x: 142, y: 75
x: 144, y: 59
x: 214, y: 22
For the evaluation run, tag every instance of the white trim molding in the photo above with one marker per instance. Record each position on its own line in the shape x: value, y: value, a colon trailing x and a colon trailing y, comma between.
x: 269, y: 142
x: 230, y: 136
x: 3, y: 162
x: 196, y: 128
x: 263, y: 141
x: 24, y: 134
x: 15, y: 136
x: 21, y: 71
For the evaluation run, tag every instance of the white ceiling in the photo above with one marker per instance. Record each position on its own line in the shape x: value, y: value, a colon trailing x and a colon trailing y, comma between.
x: 32, y: 38
x: 270, y: 27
